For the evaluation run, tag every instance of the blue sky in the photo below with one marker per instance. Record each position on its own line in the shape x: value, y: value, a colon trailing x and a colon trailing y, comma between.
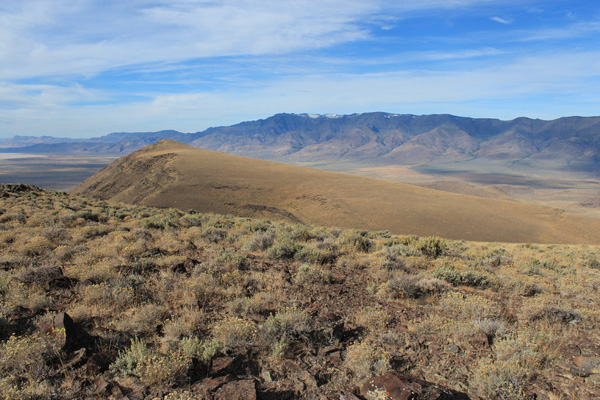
x: 90, y: 67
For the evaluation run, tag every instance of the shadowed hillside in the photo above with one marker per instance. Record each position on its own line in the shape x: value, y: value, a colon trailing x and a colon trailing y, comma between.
x: 171, y: 174
x: 384, y: 139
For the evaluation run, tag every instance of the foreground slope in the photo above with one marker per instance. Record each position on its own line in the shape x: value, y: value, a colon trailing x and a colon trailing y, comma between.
x: 172, y: 174
x: 101, y: 300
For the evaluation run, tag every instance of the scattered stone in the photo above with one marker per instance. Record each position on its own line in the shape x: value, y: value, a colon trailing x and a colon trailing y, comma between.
x: 101, y: 386
x: 199, y: 369
x: 331, y: 316
x: 348, y: 397
x: 307, y: 379
x: 61, y: 327
x: 208, y: 385
x: 399, y: 387
x: 66, y: 332
x: 20, y: 313
x: 586, y: 365
x: 336, y: 358
x: 116, y: 392
x: 453, y: 349
x: 178, y: 268
x: 219, y: 365
x: 266, y: 376
x: 106, y: 389
x: 594, y: 379
x: 62, y: 282
x: 557, y: 314
x: 240, y: 390
x: 586, y: 362
x: 480, y: 340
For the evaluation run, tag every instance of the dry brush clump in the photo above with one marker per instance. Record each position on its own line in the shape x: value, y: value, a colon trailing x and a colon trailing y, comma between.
x: 163, y: 302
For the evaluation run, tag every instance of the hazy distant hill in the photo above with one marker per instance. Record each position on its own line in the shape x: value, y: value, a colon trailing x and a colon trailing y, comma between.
x: 117, y: 143
x: 29, y: 141
x: 172, y: 174
x: 375, y: 138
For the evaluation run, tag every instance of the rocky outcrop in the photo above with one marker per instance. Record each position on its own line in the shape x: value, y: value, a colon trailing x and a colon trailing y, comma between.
x: 393, y: 386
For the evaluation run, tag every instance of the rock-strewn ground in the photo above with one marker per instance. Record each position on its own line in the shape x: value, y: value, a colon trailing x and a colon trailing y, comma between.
x: 101, y: 300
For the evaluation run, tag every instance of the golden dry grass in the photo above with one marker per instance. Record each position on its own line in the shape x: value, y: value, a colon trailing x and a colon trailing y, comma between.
x: 171, y: 174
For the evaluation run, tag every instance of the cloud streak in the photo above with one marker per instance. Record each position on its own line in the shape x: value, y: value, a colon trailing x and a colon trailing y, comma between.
x: 61, y: 39
x: 508, y: 88
x: 501, y: 20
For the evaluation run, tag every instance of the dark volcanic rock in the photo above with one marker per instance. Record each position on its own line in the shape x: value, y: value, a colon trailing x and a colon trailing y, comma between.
x: 208, y: 385
x: 70, y: 335
x: 399, y: 387
x: 240, y: 390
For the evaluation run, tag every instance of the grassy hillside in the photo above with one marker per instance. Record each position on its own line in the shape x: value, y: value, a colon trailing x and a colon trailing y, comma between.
x: 171, y: 174
x: 162, y: 303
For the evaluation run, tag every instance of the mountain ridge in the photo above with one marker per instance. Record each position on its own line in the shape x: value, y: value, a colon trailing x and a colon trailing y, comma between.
x: 376, y: 138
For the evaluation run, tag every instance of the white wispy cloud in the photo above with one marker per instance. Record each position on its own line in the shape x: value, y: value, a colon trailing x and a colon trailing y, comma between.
x: 501, y: 20
x: 62, y: 37
x: 46, y: 95
x: 42, y: 38
x: 576, y: 30
x: 457, y: 54
x: 507, y: 88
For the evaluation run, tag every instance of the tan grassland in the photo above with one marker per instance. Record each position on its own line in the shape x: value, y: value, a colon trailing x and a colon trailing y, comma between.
x: 171, y: 174
x: 542, y: 184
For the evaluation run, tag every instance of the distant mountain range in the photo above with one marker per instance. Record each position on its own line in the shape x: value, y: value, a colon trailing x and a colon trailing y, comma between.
x: 374, y: 138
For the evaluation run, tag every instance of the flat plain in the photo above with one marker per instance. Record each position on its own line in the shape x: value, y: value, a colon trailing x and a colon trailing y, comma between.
x: 57, y: 172
x: 570, y: 191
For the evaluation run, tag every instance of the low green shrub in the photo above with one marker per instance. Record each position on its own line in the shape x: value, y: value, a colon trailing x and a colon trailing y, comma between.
x: 366, y: 359
x: 235, y: 332
x: 357, y: 240
x: 204, y: 350
x: 411, y: 287
x: 158, y: 222
x: 431, y: 246
x: 260, y: 241
x: 478, y: 279
x: 284, y: 249
x: 315, y: 256
x: 309, y: 274
x: 151, y: 368
x: 285, y: 329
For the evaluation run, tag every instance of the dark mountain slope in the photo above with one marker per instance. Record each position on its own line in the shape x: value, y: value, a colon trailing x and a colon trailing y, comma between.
x: 571, y: 143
